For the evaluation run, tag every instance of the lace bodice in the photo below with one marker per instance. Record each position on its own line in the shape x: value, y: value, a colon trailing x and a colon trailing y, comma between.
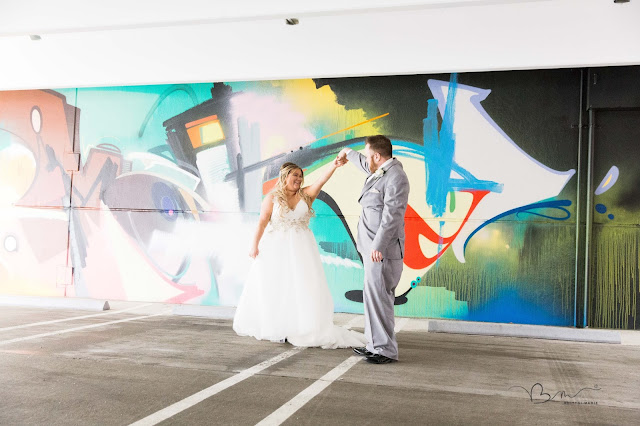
x: 296, y: 219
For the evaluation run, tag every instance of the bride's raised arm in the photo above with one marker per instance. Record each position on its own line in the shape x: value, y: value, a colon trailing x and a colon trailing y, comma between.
x: 314, y: 189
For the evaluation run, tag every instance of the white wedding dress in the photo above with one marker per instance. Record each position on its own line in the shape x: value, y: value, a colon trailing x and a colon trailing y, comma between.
x: 286, y: 293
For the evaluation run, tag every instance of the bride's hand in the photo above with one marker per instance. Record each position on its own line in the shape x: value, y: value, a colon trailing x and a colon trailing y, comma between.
x: 339, y: 162
x: 254, y: 252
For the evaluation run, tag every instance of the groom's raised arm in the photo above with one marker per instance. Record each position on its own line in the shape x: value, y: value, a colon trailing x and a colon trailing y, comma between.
x: 357, y: 159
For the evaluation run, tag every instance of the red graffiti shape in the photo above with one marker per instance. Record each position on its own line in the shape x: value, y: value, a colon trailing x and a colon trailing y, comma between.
x: 415, y: 226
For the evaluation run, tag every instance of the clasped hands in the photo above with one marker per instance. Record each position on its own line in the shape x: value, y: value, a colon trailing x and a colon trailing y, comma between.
x: 341, y: 159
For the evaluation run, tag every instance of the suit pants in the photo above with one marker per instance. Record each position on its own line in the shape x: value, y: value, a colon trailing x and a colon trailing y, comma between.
x: 380, y: 282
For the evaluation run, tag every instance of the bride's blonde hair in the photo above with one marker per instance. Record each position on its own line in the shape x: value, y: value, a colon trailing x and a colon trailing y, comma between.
x: 280, y: 196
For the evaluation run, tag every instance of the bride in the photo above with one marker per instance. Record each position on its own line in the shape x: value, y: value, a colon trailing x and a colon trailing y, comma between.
x: 286, y: 295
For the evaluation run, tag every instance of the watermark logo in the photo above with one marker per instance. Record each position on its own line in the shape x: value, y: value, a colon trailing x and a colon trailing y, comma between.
x: 537, y: 395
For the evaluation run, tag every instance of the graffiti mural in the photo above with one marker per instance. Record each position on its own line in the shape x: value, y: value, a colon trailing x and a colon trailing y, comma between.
x: 614, y: 296
x: 37, y: 129
x: 152, y: 193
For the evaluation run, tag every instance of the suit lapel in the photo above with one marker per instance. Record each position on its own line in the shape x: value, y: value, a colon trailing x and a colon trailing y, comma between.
x: 368, y: 184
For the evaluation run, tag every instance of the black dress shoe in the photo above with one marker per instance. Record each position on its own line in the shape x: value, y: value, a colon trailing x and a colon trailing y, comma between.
x: 362, y: 351
x: 380, y: 359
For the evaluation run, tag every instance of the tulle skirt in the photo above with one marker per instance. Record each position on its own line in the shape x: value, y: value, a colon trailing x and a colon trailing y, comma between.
x: 286, y: 295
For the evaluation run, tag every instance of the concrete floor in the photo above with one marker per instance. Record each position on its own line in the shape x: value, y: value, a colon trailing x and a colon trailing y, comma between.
x: 122, y: 372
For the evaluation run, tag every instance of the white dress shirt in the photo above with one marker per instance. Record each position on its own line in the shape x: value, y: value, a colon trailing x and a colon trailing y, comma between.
x: 386, y: 163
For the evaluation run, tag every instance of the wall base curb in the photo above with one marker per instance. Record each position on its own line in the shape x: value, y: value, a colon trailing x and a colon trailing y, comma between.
x: 525, y: 330
x: 56, y: 302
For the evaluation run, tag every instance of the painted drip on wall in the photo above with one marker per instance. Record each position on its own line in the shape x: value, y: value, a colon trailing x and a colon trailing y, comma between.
x: 616, y: 270
x: 614, y: 290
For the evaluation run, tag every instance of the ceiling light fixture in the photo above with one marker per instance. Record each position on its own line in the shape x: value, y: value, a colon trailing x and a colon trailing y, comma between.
x: 35, y: 37
x: 621, y: 1
x: 292, y: 21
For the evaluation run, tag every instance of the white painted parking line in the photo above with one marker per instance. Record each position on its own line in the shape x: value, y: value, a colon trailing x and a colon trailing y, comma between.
x: 283, y: 412
x: 192, y: 400
x: 298, y: 401
x: 84, y: 327
x: 15, y: 327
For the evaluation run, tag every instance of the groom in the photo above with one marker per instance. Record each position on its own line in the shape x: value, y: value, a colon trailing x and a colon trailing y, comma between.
x: 380, y: 241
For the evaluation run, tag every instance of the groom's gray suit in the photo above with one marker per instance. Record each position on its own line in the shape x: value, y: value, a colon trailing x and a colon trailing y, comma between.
x: 381, y: 227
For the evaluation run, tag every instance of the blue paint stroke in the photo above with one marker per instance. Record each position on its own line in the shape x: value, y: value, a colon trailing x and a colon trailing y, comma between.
x: 213, y: 297
x: 440, y: 240
x: 519, y: 306
x: 439, y: 148
x: 528, y: 209
x: 601, y: 208
x: 469, y: 181
x: 438, y: 152
x: 608, y: 181
x: 5, y: 138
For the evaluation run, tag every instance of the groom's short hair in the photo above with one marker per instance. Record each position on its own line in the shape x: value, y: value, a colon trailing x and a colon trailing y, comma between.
x: 380, y: 144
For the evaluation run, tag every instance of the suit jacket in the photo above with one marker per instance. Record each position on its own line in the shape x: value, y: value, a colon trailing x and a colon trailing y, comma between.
x: 384, y: 203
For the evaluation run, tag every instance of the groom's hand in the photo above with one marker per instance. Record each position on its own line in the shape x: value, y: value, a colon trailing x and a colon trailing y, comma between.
x: 342, y: 155
x: 376, y: 256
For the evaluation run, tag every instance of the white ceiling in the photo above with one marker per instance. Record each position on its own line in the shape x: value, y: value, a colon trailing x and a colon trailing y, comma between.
x: 150, y: 42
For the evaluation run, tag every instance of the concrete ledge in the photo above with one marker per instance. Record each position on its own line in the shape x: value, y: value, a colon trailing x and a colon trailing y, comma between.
x: 55, y: 302
x: 523, y: 330
x: 217, y: 312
